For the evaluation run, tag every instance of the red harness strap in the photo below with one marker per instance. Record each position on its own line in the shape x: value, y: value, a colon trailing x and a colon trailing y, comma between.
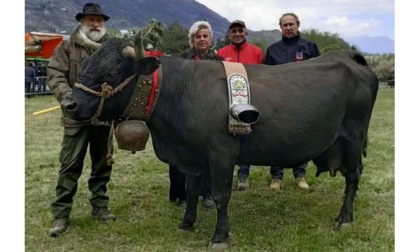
x: 152, y: 93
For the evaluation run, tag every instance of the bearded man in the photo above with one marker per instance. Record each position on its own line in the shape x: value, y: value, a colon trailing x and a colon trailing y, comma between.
x: 63, y: 72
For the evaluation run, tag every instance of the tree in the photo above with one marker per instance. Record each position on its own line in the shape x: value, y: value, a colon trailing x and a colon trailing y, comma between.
x: 172, y: 40
x: 328, y: 48
x: 175, y: 39
x: 326, y: 41
x: 262, y: 43
x: 383, y: 66
x: 218, y: 44
x: 221, y: 43
x: 152, y: 34
x: 114, y: 32
x: 129, y: 34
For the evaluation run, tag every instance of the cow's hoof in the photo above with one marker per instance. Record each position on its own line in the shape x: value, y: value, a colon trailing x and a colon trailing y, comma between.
x: 187, y: 229
x: 184, y: 227
x: 217, y: 246
x: 346, y: 225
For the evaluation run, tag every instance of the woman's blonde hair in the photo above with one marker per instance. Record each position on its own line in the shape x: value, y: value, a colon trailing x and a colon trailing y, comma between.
x: 196, y: 27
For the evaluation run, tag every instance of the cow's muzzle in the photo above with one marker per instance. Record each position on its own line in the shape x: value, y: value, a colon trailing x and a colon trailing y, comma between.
x: 245, y: 113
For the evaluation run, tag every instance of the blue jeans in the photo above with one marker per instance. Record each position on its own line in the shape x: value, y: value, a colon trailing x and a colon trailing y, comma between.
x: 243, y: 171
x: 298, y: 171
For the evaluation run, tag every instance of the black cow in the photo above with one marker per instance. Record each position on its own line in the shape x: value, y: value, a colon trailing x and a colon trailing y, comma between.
x: 317, y: 110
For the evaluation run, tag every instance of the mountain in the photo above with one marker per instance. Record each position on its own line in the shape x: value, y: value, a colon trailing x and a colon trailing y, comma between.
x: 57, y: 16
x: 373, y: 45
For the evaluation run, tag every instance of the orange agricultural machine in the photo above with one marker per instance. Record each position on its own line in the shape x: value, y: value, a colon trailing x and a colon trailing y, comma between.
x: 39, y: 44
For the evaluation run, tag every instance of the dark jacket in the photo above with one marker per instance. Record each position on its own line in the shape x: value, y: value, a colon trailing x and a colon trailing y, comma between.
x: 64, y: 70
x: 30, y: 72
x: 289, y: 49
x: 195, y: 55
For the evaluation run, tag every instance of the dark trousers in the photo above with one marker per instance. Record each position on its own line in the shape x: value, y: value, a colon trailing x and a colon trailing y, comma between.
x: 177, y: 185
x: 29, y: 84
x: 243, y: 171
x: 298, y: 171
x: 73, y: 151
x: 42, y: 84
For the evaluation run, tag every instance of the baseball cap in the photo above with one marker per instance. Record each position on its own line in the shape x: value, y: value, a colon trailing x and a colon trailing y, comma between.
x: 237, y: 22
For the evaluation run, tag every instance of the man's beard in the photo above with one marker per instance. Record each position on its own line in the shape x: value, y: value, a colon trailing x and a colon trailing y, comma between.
x: 93, y: 35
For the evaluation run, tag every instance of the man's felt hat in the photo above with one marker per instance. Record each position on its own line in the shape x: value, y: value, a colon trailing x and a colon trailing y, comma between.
x: 91, y: 9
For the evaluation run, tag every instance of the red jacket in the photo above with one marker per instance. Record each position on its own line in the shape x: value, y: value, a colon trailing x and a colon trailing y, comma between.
x: 246, y: 54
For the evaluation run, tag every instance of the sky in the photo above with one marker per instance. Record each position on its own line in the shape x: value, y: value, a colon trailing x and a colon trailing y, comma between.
x: 347, y: 18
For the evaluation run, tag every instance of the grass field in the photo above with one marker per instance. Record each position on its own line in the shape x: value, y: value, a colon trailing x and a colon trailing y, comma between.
x: 261, y: 220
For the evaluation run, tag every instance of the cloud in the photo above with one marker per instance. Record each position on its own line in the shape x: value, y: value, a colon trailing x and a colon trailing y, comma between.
x: 348, y: 18
x: 346, y: 26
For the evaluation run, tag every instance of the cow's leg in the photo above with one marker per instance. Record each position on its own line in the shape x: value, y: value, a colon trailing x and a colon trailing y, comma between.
x: 193, y: 187
x: 354, y: 167
x: 222, y: 175
x: 344, y: 156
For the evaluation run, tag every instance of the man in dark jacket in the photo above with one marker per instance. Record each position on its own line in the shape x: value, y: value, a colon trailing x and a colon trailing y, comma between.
x: 63, y: 72
x: 291, y: 48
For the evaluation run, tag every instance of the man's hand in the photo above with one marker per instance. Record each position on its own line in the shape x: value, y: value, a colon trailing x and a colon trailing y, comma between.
x: 67, y: 104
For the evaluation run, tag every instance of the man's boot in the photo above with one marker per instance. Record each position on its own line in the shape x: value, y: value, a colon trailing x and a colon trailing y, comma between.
x: 243, y: 183
x: 59, y: 226
x: 276, y: 184
x: 103, y: 214
x: 301, y: 183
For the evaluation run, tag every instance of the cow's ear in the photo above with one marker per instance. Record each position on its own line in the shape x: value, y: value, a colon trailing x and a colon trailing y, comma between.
x: 148, y: 65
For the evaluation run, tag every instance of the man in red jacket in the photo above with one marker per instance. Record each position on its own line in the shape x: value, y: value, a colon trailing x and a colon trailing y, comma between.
x: 240, y: 50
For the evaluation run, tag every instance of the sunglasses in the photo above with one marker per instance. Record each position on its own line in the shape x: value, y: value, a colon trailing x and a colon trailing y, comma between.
x: 237, y: 30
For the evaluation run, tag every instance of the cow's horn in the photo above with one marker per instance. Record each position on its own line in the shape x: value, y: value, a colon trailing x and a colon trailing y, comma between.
x: 86, y: 41
x: 138, y: 44
x: 129, y: 52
